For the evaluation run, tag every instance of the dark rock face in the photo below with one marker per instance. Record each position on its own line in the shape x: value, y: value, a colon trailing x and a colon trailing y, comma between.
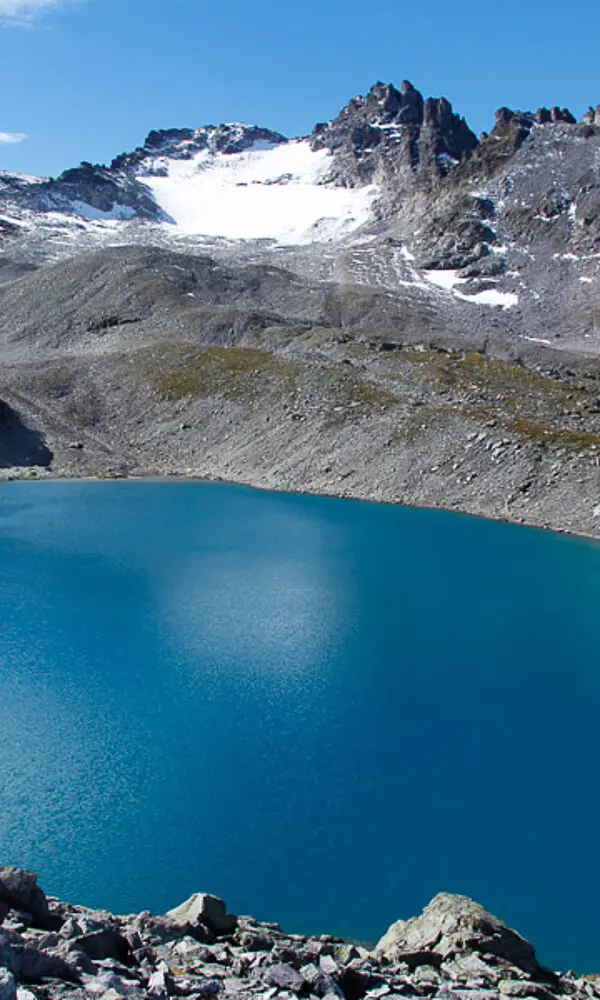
x: 19, y: 888
x: 183, y: 144
x: 390, y: 131
x: 21, y: 445
x: 592, y: 116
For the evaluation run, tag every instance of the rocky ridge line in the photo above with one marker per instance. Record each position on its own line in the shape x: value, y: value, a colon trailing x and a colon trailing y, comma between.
x: 455, y: 950
x: 391, y: 137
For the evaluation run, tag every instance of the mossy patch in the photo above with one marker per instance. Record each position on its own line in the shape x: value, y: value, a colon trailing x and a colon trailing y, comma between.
x: 211, y: 370
x: 558, y: 436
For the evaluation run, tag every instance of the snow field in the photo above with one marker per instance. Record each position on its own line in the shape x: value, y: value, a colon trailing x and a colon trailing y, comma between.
x: 277, y: 193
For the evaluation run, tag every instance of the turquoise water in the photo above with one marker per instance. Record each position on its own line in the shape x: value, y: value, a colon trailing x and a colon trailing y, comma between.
x: 322, y: 710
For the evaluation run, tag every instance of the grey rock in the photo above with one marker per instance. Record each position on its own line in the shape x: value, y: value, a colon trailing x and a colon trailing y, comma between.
x: 355, y: 981
x: 7, y: 958
x: 320, y: 983
x: 19, y: 890
x: 254, y: 941
x: 33, y: 966
x: 522, y: 988
x: 160, y: 983
x: 451, y: 924
x: 8, y: 986
x: 106, y: 983
x: 105, y: 943
x: 329, y: 965
x: 284, y: 977
x: 206, y: 988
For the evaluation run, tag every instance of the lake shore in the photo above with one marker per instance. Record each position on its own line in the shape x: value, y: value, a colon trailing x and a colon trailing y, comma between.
x: 422, y: 427
x: 532, y: 518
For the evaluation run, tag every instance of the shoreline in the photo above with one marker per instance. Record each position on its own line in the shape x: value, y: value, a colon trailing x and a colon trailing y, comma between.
x: 454, y: 950
x: 24, y: 474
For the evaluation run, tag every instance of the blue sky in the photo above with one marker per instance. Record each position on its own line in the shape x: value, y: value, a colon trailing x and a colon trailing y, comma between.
x: 87, y: 79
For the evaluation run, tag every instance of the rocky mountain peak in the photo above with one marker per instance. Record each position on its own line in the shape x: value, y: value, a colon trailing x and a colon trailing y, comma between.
x: 592, y: 116
x: 184, y: 144
x: 391, y: 131
x: 527, y: 119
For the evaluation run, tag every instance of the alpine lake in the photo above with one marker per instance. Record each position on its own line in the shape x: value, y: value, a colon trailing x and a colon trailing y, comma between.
x: 324, y: 711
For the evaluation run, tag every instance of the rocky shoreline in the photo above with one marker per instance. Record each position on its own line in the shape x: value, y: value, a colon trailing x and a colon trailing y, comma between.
x: 455, y: 950
x: 516, y: 441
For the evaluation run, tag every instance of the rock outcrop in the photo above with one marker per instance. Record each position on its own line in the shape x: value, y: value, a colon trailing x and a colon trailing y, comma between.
x: 450, y: 926
x: 390, y: 133
x: 455, y: 950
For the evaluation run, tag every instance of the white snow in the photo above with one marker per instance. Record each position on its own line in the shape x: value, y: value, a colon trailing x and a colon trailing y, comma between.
x: 275, y: 193
x: 118, y: 213
x: 444, y: 159
x: 22, y: 178
x: 490, y: 297
x: 12, y: 221
x: 406, y: 254
x: 444, y: 279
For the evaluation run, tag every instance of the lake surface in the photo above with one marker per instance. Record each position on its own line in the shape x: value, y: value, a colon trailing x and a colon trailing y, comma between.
x: 323, y: 710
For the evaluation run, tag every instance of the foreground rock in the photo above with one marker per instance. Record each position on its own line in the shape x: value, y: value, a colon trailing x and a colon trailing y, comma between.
x: 455, y: 950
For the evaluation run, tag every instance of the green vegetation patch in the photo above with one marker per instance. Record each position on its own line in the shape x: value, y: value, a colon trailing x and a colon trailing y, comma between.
x: 211, y: 370
x: 563, y: 436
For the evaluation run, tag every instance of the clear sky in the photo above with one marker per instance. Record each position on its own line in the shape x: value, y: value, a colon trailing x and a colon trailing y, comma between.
x: 87, y: 79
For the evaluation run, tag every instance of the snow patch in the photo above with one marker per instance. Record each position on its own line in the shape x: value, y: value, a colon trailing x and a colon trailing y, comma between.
x: 6, y: 175
x: 492, y: 297
x: 444, y: 279
x: 119, y: 213
x: 406, y: 254
x: 449, y: 280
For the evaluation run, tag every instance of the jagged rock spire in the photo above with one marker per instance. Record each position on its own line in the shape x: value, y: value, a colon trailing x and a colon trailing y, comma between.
x: 413, y: 133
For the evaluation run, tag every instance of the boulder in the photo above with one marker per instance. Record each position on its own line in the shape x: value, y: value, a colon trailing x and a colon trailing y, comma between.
x: 19, y: 890
x: 33, y: 966
x: 355, y: 982
x: 160, y: 983
x: 284, y: 977
x: 319, y: 982
x: 104, y: 943
x: 452, y: 924
x: 206, y: 910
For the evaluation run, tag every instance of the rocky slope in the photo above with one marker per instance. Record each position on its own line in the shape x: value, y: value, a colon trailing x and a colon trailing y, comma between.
x: 455, y: 950
x: 390, y: 308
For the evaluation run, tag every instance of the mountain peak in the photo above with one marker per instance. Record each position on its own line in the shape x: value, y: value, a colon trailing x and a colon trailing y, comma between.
x: 389, y: 130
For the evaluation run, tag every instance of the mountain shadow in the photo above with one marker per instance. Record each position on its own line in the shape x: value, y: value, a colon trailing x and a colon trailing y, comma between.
x: 20, y: 445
